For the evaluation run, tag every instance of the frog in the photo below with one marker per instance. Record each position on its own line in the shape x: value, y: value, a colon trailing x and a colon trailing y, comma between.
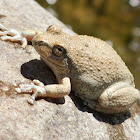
x: 86, y: 65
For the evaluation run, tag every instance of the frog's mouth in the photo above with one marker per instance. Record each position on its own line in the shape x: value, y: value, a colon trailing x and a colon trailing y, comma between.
x: 54, y: 61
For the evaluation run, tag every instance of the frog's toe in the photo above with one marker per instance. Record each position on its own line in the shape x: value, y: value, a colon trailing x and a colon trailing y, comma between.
x: 2, y: 28
x: 12, y: 35
x: 37, y: 82
x: 31, y: 100
x: 2, y: 33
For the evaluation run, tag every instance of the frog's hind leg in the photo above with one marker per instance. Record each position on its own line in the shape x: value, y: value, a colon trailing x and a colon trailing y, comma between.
x: 115, y: 102
x: 118, y: 101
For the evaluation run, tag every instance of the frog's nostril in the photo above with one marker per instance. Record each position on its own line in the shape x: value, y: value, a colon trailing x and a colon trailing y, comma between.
x: 40, y: 42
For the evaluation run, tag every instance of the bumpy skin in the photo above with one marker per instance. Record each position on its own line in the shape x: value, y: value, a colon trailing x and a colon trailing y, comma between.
x: 97, y: 73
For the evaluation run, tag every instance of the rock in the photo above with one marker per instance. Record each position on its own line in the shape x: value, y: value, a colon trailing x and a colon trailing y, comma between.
x: 48, y: 119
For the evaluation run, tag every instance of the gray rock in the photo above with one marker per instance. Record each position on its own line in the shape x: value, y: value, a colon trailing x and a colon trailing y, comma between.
x: 48, y: 119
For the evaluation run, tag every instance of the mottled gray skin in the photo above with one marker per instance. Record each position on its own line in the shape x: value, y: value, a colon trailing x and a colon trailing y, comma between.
x: 97, y: 73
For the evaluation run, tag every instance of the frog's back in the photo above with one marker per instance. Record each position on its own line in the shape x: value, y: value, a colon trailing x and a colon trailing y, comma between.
x: 96, y: 65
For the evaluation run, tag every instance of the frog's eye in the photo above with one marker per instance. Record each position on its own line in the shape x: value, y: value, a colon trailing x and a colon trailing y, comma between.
x: 58, y: 50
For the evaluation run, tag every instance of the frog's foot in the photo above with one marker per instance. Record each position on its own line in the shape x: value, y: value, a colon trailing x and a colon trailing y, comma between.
x: 36, y: 86
x: 40, y: 90
x: 2, y: 28
x: 12, y: 35
x: 93, y: 104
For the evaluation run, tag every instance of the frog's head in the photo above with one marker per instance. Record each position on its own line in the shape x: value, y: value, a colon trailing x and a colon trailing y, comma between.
x: 52, y: 47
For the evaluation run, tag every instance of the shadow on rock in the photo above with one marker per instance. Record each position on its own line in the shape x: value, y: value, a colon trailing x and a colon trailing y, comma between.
x: 107, y: 118
x: 37, y: 69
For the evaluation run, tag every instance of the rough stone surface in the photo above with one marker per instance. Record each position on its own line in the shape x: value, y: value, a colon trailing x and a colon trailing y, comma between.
x: 57, y: 119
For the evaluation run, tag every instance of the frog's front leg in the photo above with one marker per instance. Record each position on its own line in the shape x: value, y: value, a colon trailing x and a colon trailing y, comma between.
x: 13, y: 35
x: 54, y: 90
